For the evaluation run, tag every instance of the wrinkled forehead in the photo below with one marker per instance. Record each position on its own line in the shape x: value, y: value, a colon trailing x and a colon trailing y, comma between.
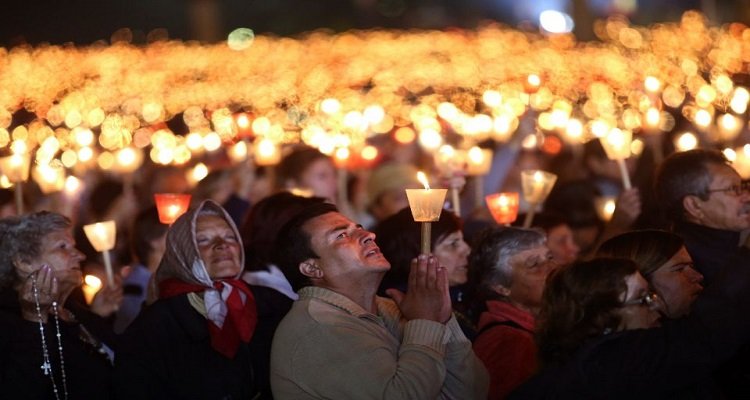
x: 322, y: 224
x: 211, y: 221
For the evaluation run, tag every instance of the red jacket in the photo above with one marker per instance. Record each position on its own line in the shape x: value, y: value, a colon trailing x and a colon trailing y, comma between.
x: 506, y: 346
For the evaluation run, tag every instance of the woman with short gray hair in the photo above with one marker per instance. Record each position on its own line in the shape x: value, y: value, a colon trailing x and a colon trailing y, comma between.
x: 510, y: 268
x: 45, y: 350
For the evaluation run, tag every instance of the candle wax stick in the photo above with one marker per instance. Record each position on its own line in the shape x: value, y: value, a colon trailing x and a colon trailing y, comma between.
x: 455, y: 199
x: 478, y: 191
x: 529, y: 216
x: 426, y: 234
x: 624, y: 173
x: 18, y: 189
x: 108, y: 268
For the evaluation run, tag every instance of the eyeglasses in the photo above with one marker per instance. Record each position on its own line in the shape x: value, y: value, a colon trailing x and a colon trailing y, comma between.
x: 646, y: 300
x: 737, y: 190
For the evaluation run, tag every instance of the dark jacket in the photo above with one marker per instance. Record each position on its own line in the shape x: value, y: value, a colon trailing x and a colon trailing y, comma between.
x: 271, y: 307
x: 672, y: 361
x: 709, y: 248
x: 87, y: 371
x: 166, y: 353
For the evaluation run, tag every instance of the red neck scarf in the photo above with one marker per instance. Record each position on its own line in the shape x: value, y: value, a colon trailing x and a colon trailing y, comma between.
x: 240, y: 321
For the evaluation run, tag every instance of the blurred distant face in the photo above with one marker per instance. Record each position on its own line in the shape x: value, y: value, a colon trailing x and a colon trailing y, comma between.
x: 218, y: 246
x: 452, y: 252
x: 389, y: 203
x: 320, y: 177
x: 562, y: 244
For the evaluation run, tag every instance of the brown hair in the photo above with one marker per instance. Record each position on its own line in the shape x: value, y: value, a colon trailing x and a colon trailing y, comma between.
x: 650, y: 248
x: 578, y: 304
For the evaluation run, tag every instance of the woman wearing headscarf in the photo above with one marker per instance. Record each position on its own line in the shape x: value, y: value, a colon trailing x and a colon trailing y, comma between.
x: 193, y: 341
x: 51, y: 347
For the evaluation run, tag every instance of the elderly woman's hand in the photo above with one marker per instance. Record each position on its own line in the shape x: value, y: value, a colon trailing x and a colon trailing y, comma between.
x: 108, y: 299
x: 39, y: 288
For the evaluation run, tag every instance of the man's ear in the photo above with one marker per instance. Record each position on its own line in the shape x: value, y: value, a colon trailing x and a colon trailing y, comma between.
x: 310, y: 269
x: 693, y: 207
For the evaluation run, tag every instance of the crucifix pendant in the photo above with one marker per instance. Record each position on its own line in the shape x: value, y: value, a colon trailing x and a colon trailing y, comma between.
x: 46, y: 368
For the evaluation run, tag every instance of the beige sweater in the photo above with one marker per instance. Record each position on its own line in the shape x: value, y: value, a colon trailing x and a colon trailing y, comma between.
x: 329, y: 347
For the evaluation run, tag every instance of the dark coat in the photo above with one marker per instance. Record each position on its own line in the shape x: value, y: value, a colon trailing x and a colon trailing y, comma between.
x: 672, y: 361
x: 271, y: 307
x: 709, y: 248
x: 87, y: 371
x: 166, y: 353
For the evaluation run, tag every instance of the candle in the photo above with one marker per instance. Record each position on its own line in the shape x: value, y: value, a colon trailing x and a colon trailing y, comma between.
x: 102, y: 237
x: 605, y: 207
x: 451, y: 162
x: 426, y: 205
x: 503, y: 207
x: 741, y: 163
x: 50, y: 179
x: 536, y: 185
x: 479, y: 162
x: 266, y: 152
x: 616, y: 144
x: 16, y: 168
x: 170, y: 206
x: 91, y: 285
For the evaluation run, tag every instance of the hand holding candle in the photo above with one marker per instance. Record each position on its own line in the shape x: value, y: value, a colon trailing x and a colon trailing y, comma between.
x: 536, y: 185
x: 426, y: 205
x: 102, y: 237
x: 617, y: 146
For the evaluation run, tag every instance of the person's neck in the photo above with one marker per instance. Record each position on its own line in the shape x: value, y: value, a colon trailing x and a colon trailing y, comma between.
x: 362, y: 294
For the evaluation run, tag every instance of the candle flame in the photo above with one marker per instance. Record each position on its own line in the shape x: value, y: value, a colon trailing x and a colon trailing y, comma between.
x: 538, y: 176
x: 92, y: 281
x: 422, y: 178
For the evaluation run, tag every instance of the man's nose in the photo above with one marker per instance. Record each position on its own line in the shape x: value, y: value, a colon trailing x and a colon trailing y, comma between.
x: 695, y: 276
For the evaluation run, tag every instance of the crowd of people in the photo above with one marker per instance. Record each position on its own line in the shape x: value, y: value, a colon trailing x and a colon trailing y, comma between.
x: 295, y: 284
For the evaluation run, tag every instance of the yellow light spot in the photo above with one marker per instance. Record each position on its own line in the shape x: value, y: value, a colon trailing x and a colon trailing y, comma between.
x: 330, y: 106
x: 430, y: 139
x: 686, y: 141
x: 212, y: 141
x: 652, y: 84
x: 105, y: 160
x: 369, y: 153
x: 405, y: 135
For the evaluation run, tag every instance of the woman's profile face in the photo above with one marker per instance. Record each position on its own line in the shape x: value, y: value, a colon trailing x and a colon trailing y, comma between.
x: 636, y: 312
x: 678, y: 284
x: 452, y: 252
x: 218, y: 246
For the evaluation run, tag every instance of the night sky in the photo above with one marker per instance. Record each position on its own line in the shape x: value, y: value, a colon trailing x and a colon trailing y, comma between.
x: 86, y: 21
